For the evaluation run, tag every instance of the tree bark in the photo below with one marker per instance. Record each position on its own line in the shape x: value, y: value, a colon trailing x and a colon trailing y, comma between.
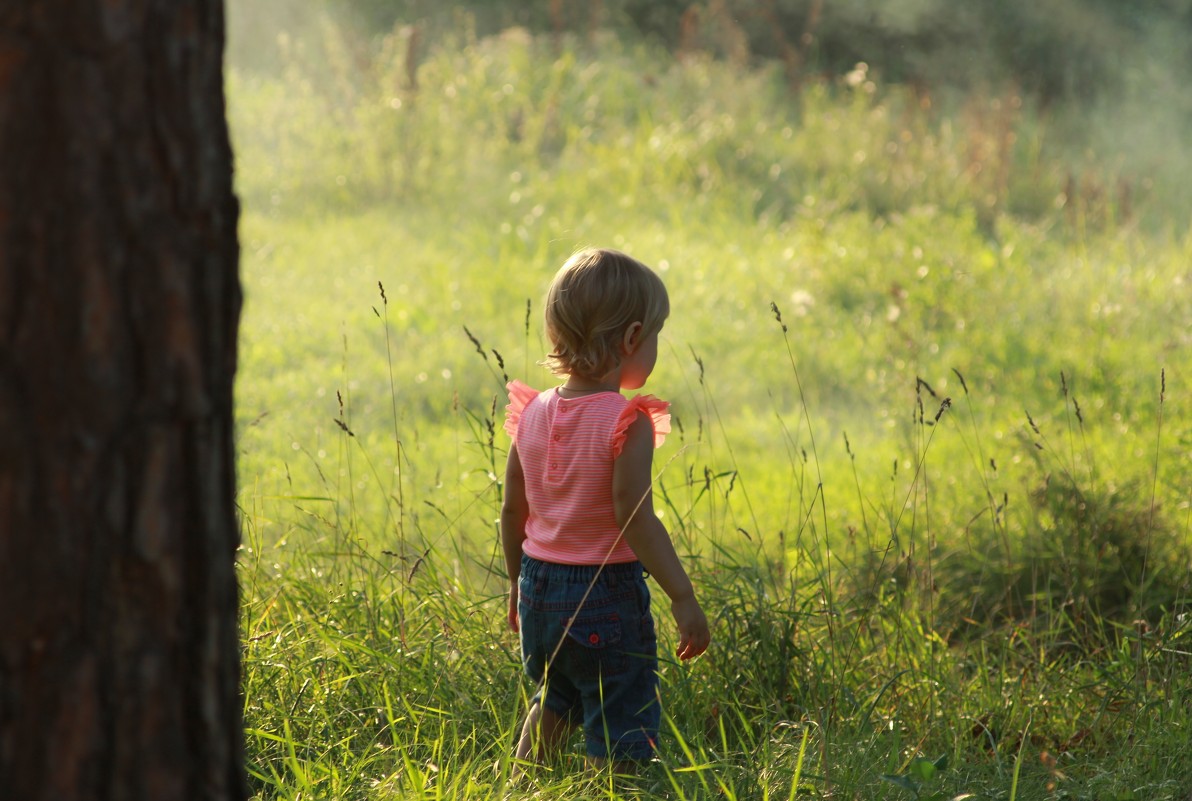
x: 119, y: 308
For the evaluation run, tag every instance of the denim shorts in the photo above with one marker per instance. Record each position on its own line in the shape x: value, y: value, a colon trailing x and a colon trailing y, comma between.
x: 604, y: 676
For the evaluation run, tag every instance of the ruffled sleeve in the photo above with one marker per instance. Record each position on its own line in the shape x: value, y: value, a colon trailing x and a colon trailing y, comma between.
x: 657, y: 410
x: 519, y: 395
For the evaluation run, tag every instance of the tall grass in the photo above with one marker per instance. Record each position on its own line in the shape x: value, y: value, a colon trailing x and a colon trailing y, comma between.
x: 929, y: 463
x: 369, y: 674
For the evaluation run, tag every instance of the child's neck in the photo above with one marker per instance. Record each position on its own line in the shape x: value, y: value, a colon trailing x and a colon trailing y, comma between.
x: 587, y: 386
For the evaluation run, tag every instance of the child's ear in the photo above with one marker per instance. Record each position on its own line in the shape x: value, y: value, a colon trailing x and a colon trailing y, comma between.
x: 633, y: 337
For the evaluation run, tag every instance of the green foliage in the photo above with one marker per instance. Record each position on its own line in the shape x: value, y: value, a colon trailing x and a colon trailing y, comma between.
x: 1107, y: 553
x: 1073, y: 49
x: 909, y: 578
x: 919, y: 772
x: 994, y: 70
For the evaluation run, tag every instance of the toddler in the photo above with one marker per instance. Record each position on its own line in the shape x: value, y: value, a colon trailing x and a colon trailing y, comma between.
x: 578, y: 524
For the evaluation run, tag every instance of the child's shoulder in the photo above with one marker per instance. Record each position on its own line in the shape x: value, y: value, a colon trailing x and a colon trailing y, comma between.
x: 520, y: 394
x: 655, y: 409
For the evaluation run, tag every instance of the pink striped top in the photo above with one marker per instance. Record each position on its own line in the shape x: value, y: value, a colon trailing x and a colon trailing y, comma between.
x: 567, y: 447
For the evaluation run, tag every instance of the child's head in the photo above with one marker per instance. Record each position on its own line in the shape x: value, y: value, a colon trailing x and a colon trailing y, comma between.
x: 591, y: 303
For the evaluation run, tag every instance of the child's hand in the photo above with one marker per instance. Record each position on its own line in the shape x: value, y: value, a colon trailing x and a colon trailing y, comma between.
x: 512, y: 613
x: 694, y: 636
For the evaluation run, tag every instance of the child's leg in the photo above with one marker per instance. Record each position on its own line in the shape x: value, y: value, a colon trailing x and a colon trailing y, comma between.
x: 544, y: 732
x: 542, y: 592
x: 614, y: 665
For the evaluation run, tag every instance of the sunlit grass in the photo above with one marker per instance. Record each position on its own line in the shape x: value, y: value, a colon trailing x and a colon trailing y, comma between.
x: 910, y: 598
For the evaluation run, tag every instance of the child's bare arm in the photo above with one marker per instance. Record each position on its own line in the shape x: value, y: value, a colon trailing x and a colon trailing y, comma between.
x: 514, y: 512
x: 634, y: 506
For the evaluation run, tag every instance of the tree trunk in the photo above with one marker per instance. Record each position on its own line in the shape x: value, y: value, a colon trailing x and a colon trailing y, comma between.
x: 119, y: 307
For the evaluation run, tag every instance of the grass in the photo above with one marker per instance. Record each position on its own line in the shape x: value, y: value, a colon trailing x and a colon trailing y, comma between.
x: 930, y: 459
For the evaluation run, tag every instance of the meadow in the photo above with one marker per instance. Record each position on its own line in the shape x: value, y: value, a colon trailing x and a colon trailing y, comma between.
x: 929, y: 372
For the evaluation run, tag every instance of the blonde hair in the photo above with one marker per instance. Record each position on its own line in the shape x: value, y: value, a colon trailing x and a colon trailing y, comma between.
x: 592, y: 300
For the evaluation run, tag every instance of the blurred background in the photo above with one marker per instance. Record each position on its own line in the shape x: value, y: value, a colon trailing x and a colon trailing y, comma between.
x: 1110, y: 76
